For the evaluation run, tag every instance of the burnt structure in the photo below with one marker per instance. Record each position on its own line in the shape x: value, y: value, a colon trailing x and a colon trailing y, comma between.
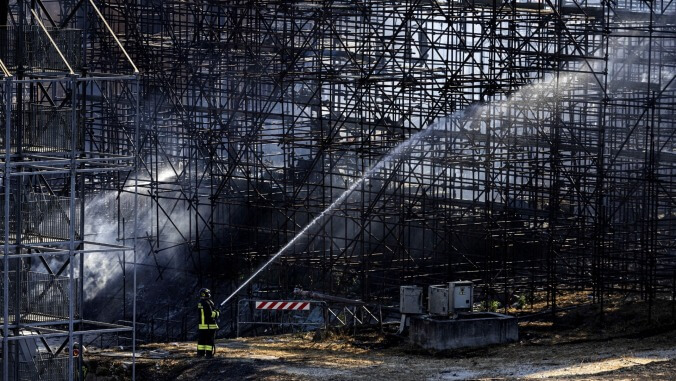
x: 258, y: 114
x: 548, y: 164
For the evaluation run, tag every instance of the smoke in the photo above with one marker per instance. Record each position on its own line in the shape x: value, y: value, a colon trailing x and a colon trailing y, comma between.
x: 100, y: 226
x: 104, y: 224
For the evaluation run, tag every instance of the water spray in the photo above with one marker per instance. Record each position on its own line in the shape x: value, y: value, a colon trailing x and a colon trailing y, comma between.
x: 339, y: 200
x: 400, y: 150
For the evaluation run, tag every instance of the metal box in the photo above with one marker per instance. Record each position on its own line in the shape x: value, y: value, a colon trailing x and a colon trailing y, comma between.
x: 438, y: 300
x: 410, y: 300
x: 460, y: 296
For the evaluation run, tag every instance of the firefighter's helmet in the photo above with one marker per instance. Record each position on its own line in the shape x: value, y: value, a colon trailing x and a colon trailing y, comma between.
x: 205, y: 293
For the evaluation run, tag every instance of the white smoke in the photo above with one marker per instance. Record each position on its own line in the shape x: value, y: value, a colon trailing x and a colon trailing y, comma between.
x: 104, y: 225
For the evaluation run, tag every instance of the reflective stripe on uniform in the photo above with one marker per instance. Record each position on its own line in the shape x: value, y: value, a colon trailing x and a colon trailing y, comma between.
x: 208, y: 347
x: 201, y: 347
x: 203, y: 324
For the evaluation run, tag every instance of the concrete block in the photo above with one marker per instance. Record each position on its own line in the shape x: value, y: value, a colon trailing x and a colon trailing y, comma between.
x: 468, y: 330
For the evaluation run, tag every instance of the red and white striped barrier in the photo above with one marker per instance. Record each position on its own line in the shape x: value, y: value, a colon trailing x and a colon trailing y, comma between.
x: 277, y: 305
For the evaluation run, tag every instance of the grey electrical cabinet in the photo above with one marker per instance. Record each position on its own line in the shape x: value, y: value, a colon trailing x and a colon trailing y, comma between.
x: 410, y: 300
x: 460, y: 297
x: 438, y: 300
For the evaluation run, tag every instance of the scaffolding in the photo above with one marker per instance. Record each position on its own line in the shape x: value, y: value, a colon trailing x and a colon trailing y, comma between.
x: 550, y: 168
x: 538, y: 154
x: 68, y: 133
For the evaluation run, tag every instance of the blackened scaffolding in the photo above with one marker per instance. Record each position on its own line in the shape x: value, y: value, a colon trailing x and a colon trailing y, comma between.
x: 559, y: 175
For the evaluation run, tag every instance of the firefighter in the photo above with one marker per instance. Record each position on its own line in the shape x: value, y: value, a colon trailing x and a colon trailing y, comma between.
x: 207, y: 325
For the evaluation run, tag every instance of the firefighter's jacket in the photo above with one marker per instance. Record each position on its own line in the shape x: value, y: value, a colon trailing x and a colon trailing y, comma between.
x: 208, y: 314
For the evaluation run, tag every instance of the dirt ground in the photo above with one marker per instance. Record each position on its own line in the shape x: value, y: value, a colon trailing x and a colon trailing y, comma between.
x: 576, y: 347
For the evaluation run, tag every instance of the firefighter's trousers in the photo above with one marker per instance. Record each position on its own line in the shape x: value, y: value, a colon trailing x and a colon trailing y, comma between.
x: 206, y: 342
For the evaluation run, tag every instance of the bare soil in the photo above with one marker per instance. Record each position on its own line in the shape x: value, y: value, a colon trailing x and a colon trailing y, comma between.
x: 578, y: 345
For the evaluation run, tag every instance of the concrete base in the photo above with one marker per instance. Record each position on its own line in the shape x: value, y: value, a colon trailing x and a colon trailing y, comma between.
x: 468, y: 330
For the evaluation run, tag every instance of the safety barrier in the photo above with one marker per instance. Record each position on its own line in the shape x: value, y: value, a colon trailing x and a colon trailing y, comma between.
x: 44, y: 369
x: 280, y: 316
x: 44, y: 297
x: 155, y: 330
x: 37, y: 51
x: 47, y: 129
x: 354, y: 315
x: 45, y: 218
x: 275, y: 305
x: 41, y: 369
